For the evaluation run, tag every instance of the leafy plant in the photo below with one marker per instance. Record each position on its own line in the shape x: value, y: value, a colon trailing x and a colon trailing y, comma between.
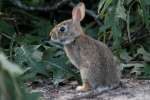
x: 124, y: 27
x: 44, y: 62
x: 125, y: 24
x: 118, y: 16
x: 112, y: 18
x: 11, y: 87
x: 30, y: 58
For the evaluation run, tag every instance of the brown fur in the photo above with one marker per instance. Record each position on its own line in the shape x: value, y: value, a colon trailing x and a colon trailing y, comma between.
x: 94, y: 59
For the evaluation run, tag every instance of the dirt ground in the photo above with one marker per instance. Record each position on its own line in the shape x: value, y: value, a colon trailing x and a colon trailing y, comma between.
x: 131, y: 90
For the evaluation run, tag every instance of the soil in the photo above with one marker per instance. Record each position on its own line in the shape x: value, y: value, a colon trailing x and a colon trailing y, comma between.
x: 131, y: 90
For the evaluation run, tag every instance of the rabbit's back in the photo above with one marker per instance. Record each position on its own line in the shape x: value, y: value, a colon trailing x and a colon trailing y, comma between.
x: 94, y: 59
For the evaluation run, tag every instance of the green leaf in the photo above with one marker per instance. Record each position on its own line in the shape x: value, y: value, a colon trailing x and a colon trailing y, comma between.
x: 147, y: 2
x: 135, y: 68
x: 28, y: 39
x: 11, y: 87
x: 112, y: 20
x: 145, y: 12
x: 103, y: 6
x: 6, y: 27
x: 147, y: 69
x: 10, y: 67
x: 146, y: 55
x: 25, y: 56
x: 125, y: 56
x: 146, y: 44
x: 120, y: 10
x: 41, y: 27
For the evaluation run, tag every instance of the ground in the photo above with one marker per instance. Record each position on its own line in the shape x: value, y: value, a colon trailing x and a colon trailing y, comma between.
x: 132, y: 89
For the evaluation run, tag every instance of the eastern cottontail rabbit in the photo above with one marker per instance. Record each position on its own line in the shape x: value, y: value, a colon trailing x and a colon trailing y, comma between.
x: 95, y: 61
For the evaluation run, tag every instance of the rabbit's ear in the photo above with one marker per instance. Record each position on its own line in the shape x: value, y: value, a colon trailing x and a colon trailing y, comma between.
x: 78, y: 12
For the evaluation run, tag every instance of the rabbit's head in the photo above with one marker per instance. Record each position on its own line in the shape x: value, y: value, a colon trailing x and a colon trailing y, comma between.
x: 68, y: 30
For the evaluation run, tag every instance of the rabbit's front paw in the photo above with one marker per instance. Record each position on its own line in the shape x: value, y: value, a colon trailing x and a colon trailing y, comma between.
x: 84, y: 87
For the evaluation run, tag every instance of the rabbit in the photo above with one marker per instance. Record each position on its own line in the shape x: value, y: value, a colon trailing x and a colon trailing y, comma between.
x: 95, y: 61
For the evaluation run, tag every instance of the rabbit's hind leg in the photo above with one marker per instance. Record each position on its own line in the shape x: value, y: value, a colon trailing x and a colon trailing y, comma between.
x: 84, y: 87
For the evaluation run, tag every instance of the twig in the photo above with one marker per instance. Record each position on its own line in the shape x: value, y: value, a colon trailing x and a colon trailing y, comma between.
x: 45, y: 8
x: 0, y: 39
x: 142, y: 37
x: 7, y: 36
x: 11, y: 46
x: 11, y: 43
x: 128, y: 25
x: 128, y: 22
x: 90, y: 13
x: 16, y: 27
x: 137, y: 36
x: 136, y: 39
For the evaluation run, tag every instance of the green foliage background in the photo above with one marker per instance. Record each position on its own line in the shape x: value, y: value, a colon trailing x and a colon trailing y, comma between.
x: 124, y: 25
x: 11, y: 88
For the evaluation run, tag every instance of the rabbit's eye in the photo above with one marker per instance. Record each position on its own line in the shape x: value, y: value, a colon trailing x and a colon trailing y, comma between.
x: 63, y: 29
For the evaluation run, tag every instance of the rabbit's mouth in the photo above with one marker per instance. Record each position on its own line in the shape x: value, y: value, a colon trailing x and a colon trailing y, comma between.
x: 55, y: 40
x: 66, y: 41
x: 63, y: 41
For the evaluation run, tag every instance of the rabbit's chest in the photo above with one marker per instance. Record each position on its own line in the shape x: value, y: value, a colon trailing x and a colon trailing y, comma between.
x: 74, y: 56
x: 80, y: 54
